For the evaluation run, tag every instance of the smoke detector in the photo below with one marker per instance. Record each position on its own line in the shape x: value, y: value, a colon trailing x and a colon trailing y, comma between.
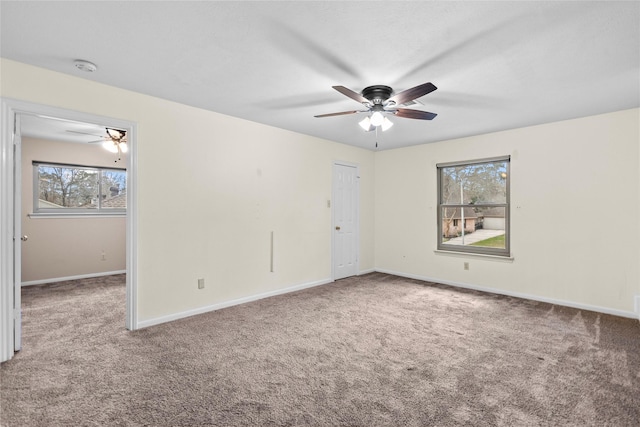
x: 86, y: 66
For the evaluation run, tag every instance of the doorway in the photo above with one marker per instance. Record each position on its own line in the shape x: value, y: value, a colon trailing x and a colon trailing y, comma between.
x: 345, y: 237
x: 10, y: 212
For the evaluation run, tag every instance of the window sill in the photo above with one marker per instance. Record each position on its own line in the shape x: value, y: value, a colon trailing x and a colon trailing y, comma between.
x: 76, y: 215
x: 474, y: 255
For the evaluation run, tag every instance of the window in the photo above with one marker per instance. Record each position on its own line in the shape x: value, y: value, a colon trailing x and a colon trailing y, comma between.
x: 473, y: 206
x: 70, y: 189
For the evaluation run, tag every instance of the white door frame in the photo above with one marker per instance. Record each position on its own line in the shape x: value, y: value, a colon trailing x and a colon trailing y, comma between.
x: 333, y: 222
x: 17, y: 232
x: 10, y: 109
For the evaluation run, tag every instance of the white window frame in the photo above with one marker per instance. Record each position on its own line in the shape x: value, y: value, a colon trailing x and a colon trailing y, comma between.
x: 99, y: 210
x: 479, y: 250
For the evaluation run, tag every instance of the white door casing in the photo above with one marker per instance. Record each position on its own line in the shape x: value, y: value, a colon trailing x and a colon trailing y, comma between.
x: 17, y: 236
x: 345, y: 220
x: 7, y: 213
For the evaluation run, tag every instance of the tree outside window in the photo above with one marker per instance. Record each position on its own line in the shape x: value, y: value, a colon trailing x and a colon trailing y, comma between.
x: 79, y: 189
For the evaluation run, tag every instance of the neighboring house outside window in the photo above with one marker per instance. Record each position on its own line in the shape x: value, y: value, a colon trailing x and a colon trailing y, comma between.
x: 78, y: 190
x: 473, y: 206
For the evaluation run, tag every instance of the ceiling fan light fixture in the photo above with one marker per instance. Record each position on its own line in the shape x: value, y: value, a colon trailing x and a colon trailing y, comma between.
x: 365, y: 124
x: 111, y: 146
x: 377, y: 118
x: 124, y: 147
x: 386, y: 124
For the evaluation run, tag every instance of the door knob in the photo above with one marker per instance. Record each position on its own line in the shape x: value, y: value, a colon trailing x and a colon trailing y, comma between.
x: 337, y: 227
x: 24, y: 238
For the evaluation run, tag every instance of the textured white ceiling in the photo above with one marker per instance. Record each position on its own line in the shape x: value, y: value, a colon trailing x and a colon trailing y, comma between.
x: 497, y: 65
x: 60, y: 130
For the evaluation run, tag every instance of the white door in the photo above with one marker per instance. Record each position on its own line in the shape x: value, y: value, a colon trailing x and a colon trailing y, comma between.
x: 345, y: 221
x: 18, y: 238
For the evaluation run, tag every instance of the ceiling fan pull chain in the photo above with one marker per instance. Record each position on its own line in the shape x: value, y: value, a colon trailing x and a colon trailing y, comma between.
x: 119, y: 153
x: 376, y: 136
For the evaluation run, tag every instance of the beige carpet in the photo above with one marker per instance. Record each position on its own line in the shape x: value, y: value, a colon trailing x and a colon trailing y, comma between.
x: 374, y: 350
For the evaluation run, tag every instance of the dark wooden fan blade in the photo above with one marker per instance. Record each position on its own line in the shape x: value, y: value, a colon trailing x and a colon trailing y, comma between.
x: 351, y: 94
x: 413, y: 93
x: 414, y: 114
x: 339, y: 114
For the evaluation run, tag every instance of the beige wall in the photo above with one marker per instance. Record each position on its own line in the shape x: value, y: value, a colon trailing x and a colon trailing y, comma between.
x: 211, y: 188
x: 570, y: 181
x: 67, y: 247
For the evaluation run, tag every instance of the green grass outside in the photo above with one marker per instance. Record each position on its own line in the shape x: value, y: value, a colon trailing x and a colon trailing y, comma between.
x: 493, y: 242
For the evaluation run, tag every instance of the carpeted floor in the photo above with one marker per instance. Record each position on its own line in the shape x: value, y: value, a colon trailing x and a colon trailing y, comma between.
x: 373, y: 350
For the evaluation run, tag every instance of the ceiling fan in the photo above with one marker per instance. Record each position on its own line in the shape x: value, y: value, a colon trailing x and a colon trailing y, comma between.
x: 114, y: 141
x: 380, y: 101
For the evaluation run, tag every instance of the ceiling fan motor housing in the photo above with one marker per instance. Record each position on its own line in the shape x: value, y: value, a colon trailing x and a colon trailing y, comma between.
x: 377, y: 94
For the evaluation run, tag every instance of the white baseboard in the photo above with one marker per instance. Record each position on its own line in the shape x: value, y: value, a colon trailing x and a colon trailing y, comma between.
x: 225, y: 304
x: 81, y: 276
x: 371, y: 270
x: 571, y: 304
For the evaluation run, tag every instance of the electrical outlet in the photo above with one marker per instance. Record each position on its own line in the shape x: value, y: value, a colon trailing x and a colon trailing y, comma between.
x: 466, y: 265
x: 200, y: 283
x: 104, y: 256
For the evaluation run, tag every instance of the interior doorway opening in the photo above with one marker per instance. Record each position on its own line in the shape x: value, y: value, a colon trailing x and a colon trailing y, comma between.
x: 22, y: 119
